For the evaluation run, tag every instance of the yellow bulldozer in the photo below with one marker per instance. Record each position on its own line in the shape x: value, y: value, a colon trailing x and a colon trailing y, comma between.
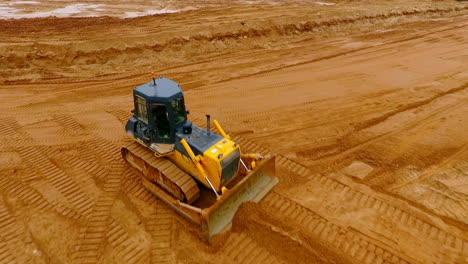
x: 203, y: 175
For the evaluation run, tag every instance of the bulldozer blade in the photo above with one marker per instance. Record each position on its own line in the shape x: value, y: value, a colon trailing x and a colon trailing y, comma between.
x: 253, y: 187
x: 217, y: 218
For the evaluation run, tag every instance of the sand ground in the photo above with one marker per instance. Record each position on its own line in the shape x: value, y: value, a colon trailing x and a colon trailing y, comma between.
x: 364, y: 104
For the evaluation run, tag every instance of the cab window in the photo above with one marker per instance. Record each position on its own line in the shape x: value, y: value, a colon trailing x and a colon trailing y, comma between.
x: 161, y: 120
x: 179, y: 110
x: 141, y: 112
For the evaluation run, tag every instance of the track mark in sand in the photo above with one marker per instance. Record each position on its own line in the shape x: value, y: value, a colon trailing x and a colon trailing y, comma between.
x: 8, y: 127
x: 8, y: 232
x: 126, y: 249
x: 441, y: 200
x: 86, y: 152
x: 30, y: 177
x: 337, y: 55
x: 447, y: 204
x: 405, y: 218
x: 32, y: 197
x: 160, y: 225
x: 11, y: 134
x: 103, y: 125
x: 320, y: 227
x: 104, y: 148
x: 5, y: 256
x: 332, y: 153
x: 243, y: 249
x: 64, y: 184
x: 92, y: 239
x: 10, y: 160
x: 121, y: 115
x: 251, y: 146
x: 413, y: 176
x: 355, y: 198
x: 70, y: 124
x: 462, y: 166
x: 382, y: 118
x: 89, y: 166
x: 339, y: 237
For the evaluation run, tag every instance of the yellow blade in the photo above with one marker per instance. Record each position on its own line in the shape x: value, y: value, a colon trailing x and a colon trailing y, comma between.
x: 253, y: 187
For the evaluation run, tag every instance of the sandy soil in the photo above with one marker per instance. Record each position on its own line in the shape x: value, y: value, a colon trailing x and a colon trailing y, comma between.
x: 364, y: 104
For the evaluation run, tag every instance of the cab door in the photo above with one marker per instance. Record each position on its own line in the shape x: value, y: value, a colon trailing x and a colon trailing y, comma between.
x: 142, y: 130
x: 162, y: 127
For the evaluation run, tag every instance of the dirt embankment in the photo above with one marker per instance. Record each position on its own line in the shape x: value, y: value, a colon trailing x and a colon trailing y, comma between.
x: 114, y: 45
x: 363, y: 103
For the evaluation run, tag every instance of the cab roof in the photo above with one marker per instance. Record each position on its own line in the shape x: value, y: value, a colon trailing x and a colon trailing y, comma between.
x: 165, y: 90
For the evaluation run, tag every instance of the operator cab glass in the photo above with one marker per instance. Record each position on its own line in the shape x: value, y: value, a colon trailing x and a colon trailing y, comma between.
x: 180, y: 114
x: 161, y: 120
x: 141, y: 113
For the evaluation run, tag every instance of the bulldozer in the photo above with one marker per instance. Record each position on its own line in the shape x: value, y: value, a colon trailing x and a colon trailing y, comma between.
x: 202, y: 174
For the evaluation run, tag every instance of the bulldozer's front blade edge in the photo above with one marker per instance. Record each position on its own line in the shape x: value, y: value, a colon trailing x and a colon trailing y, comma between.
x: 253, y: 187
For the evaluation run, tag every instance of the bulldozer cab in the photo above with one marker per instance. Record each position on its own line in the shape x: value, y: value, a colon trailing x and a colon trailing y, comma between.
x: 159, y: 111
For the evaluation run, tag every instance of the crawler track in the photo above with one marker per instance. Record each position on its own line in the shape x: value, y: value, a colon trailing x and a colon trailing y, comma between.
x: 162, y: 171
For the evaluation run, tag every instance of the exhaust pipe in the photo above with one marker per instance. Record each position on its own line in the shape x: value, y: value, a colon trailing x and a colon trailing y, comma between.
x: 208, y: 124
